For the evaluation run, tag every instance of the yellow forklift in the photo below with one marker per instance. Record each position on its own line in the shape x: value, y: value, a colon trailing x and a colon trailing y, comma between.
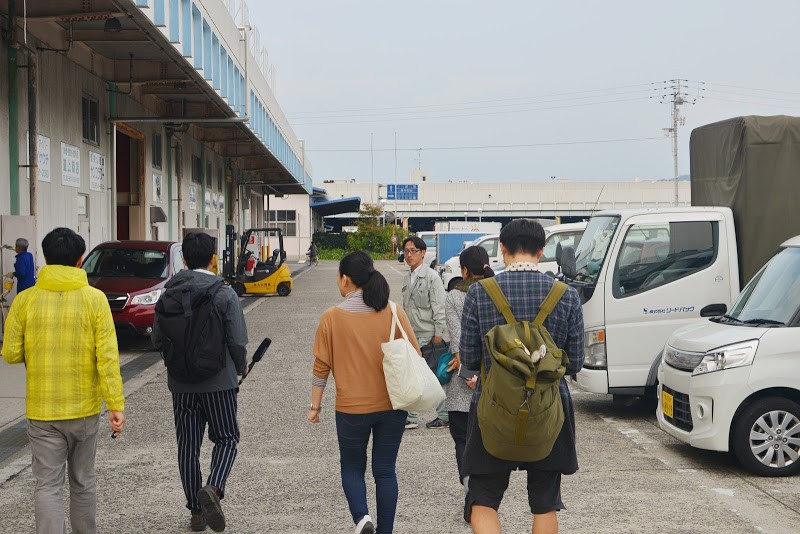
x: 254, y: 275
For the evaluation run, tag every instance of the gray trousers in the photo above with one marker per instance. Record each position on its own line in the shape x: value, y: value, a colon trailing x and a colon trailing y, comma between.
x: 441, y: 411
x: 58, y: 446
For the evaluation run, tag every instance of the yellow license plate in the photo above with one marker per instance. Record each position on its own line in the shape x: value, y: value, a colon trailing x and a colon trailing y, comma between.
x: 666, y: 404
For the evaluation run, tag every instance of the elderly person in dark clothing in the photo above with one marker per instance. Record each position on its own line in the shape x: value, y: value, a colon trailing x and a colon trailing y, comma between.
x: 24, y: 268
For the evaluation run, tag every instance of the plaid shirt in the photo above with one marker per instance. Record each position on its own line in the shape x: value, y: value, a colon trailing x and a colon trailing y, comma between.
x: 62, y: 329
x: 525, y: 291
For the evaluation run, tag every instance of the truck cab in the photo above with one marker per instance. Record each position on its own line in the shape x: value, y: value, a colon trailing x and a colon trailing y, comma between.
x: 641, y: 275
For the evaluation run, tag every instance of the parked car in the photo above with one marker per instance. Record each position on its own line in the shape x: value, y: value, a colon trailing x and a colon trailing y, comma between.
x: 733, y: 382
x: 564, y: 234
x: 132, y: 275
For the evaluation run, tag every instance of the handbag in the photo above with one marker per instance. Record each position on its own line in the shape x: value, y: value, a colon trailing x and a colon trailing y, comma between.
x: 432, y: 353
x: 442, y: 373
x: 411, y: 384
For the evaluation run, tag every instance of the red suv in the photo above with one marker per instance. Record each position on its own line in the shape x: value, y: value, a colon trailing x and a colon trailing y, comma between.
x: 132, y: 274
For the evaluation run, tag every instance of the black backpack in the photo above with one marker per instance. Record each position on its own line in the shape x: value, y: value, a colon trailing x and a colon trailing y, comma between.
x: 193, y: 333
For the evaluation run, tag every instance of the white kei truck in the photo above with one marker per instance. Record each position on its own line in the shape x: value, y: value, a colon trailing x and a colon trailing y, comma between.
x: 644, y: 273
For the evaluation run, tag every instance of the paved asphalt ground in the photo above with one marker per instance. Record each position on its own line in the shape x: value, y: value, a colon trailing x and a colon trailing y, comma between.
x: 633, y: 477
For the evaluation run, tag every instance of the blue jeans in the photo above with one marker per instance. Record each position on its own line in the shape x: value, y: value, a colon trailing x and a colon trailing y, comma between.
x: 353, y: 431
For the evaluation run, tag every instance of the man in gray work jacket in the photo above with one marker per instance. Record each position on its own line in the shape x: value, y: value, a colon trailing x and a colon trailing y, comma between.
x: 423, y: 302
x: 211, y: 401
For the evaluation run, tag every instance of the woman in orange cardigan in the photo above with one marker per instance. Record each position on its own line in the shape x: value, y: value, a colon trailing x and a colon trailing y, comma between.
x: 348, y: 344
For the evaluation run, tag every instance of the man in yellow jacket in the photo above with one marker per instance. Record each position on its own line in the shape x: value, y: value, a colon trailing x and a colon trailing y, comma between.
x: 62, y: 330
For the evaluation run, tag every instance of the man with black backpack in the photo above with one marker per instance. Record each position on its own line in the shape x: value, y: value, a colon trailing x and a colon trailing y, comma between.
x: 523, y: 334
x: 200, y: 330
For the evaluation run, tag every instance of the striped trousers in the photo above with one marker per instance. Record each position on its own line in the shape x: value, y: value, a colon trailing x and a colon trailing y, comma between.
x: 192, y: 412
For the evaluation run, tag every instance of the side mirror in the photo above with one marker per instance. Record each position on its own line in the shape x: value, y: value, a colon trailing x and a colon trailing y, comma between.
x: 568, y: 262
x: 559, y: 253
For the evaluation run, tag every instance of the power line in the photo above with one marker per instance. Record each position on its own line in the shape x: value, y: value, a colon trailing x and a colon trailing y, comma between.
x: 295, y: 123
x: 475, y: 108
x: 766, y: 104
x: 749, y: 88
x: 484, y: 147
x: 289, y: 113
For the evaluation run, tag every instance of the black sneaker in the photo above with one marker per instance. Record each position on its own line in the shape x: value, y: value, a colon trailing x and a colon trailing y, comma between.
x: 209, y: 498
x: 365, y: 526
x: 410, y: 425
x: 198, y: 521
x: 437, y: 423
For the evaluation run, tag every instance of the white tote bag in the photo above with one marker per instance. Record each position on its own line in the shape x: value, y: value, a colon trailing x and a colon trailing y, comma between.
x: 411, y: 384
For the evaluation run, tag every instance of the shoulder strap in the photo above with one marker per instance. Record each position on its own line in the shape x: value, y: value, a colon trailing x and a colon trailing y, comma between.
x: 555, y: 294
x: 496, y: 294
x: 396, y: 323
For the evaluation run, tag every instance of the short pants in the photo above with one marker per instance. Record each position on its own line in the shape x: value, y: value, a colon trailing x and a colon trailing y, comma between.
x: 544, y: 490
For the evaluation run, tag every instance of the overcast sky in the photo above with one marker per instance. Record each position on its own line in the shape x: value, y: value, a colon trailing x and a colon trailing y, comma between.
x: 582, y: 85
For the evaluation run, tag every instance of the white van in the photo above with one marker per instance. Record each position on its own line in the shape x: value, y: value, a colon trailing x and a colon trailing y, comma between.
x: 733, y: 382
x: 563, y: 234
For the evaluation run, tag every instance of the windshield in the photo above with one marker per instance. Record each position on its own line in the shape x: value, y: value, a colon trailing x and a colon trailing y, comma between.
x: 430, y: 240
x: 773, y: 295
x: 123, y: 263
x: 593, y: 247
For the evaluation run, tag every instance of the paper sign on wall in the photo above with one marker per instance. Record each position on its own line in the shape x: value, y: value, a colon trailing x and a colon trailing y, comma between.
x: 97, y: 171
x: 158, y: 186
x: 43, y: 158
x: 192, y: 197
x: 70, y: 165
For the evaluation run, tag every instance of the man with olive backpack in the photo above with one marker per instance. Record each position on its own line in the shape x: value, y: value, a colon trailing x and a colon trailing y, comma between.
x: 527, y: 330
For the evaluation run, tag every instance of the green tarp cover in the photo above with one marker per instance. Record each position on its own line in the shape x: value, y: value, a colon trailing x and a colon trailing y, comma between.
x: 751, y: 165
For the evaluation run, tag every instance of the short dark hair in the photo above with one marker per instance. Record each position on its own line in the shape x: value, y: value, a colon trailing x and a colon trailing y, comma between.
x: 198, y: 249
x: 360, y: 268
x: 63, y: 246
x: 417, y: 241
x: 522, y: 235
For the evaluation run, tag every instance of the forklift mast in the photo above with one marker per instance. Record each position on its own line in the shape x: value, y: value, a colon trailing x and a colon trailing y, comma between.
x: 228, y: 262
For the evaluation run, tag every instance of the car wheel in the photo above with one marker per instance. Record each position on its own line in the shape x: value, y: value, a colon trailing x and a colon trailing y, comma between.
x: 766, y: 437
x: 452, y: 283
x: 284, y: 289
x: 238, y: 288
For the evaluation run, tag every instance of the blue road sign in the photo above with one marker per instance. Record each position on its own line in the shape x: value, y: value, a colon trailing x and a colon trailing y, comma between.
x: 403, y: 192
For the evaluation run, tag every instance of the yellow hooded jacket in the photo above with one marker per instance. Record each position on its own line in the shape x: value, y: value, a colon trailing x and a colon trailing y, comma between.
x: 62, y: 329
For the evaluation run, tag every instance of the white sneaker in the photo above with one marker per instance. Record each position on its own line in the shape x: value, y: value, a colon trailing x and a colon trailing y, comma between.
x: 365, y: 526
x: 410, y: 425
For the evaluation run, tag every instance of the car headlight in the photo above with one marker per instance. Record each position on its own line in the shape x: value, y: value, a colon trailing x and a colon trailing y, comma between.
x: 448, y: 269
x: 736, y: 355
x: 681, y: 359
x: 147, y: 299
x: 595, y: 348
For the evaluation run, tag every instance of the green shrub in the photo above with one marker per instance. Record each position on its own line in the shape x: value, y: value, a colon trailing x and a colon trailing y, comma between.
x: 331, y: 253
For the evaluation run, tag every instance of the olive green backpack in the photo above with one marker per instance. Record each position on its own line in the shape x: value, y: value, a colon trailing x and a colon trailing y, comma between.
x: 519, y: 411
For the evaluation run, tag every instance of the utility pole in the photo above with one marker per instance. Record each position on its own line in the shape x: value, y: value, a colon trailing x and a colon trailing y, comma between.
x: 678, y: 98
x: 371, y: 170
x: 395, y: 179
